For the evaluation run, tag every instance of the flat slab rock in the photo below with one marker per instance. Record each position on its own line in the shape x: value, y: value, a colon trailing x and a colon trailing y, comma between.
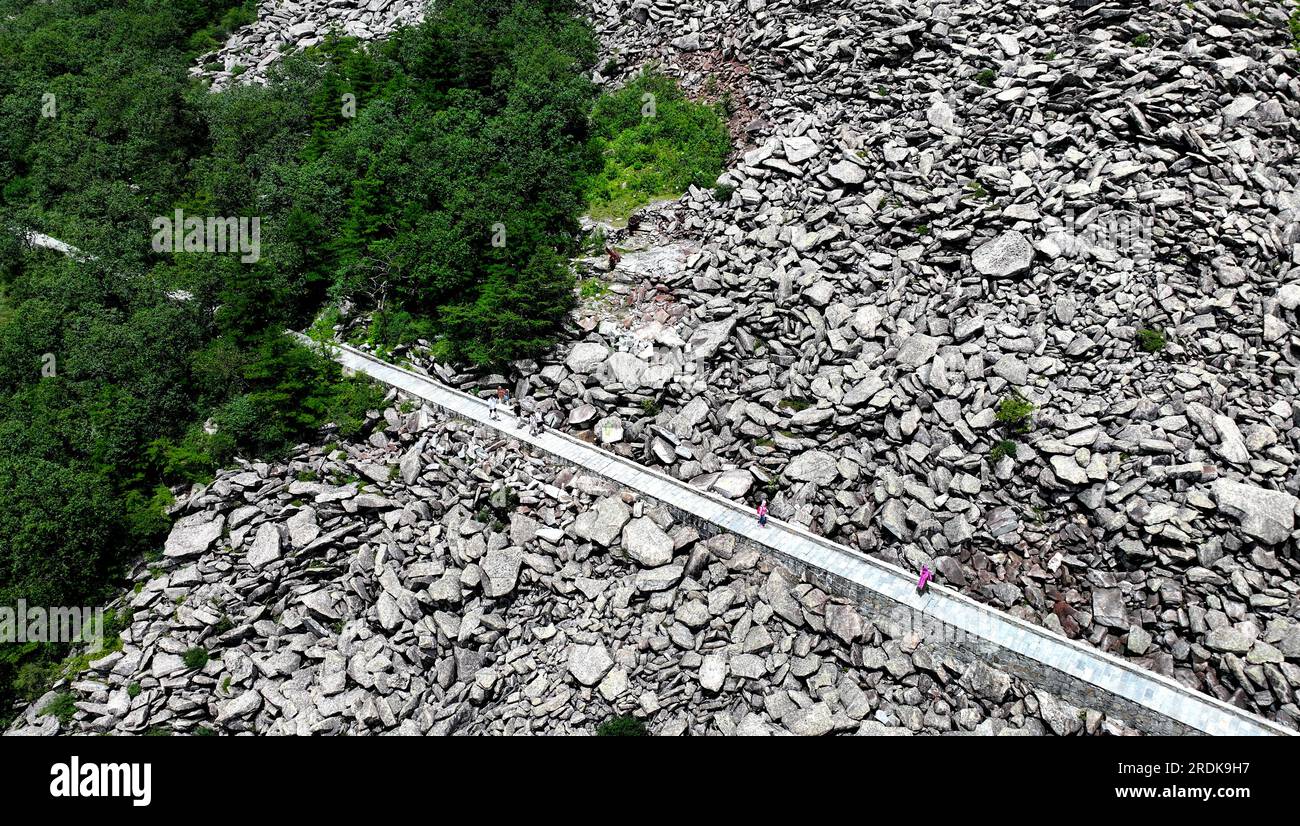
x: 1267, y: 515
x: 1004, y: 256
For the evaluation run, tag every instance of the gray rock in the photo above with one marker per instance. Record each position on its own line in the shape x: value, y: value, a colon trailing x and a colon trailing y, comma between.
x: 644, y: 542
x: 847, y: 172
x: 586, y: 356
x: 814, y: 721
x: 193, y: 534
x: 1266, y: 515
x: 611, y: 514
x: 987, y: 682
x: 501, y: 569
x: 1006, y: 255
x: 589, y: 663
x: 1228, y: 638
x: 815, y: 466
x: 266, y: 546
x: 733, y: 484
x: 1108, y: 608
x: 713, y: 672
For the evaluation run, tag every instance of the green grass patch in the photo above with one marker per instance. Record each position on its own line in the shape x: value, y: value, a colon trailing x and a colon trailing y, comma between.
x: 196, y: 658
x: 322, y: 329
x: 593, y: 288
x: 1151, y: 340
x: 623, y: 726
x: 1005, y: 449
x: 1015, y: 413
x: 655, y: 143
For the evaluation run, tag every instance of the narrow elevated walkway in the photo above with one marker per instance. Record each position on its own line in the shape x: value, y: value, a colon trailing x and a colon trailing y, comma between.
x: 1150, y: 701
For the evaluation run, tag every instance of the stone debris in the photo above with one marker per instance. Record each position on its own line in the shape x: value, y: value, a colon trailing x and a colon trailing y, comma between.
x: 457, y: 609
x: 287, y: 26
x: 933, y: 208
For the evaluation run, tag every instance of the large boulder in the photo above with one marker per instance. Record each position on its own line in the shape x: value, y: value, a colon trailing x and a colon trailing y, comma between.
x: 917, y: 349
x: 589, y: 663
x: 266, y: 546
x: 1108, y: 608
x: 603, y: 523
x: 625, y: 369
x: 193, y: 534
x: 501, y: 571
x: 646, y: 543
x: 586, y: 356
x: 733, y: 484
x: 1267, y: 515
x: 1006, y: 255
x: 707, y: 338
x: 987, y: 682
x: 815, y: 466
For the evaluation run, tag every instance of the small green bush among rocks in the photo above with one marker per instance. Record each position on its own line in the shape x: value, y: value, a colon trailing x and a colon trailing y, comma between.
x: 1151, y: 340
x: 1015, y: 413
x: 622, y: 726
x: 1003, y: 449
x: 195, y: 658
x: 63, y: 706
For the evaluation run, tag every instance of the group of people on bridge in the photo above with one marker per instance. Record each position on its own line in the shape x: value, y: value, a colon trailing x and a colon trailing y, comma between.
x: 501, y: 399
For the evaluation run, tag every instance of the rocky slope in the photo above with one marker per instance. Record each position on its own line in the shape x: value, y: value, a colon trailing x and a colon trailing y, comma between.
x: 937, y: 206
x: 943, y: 205
x: 437, y: 579
x: 286, y: 26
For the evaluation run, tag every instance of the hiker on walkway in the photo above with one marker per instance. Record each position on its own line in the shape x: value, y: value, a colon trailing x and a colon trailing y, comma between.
x: 535, y: 422
x: 492, y: 407
x: 924, y: 580
x: 762, y: 514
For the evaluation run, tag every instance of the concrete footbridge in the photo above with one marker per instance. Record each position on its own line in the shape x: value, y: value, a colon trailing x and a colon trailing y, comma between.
x: 1150, y: 702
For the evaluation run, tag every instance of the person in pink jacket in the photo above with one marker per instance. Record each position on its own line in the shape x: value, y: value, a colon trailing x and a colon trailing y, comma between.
x: 924, y: 580
x: 762, y: 514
